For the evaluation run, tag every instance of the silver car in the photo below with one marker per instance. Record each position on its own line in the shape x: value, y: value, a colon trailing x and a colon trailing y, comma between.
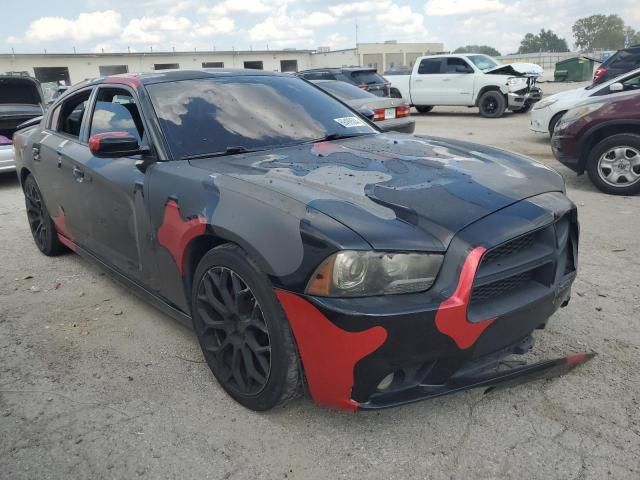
x: 389, y: 114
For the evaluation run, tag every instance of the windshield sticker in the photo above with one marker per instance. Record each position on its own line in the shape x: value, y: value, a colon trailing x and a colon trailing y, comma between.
x: 350, y: 122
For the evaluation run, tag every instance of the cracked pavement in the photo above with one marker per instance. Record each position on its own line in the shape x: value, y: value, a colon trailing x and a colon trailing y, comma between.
x: 94, y: 383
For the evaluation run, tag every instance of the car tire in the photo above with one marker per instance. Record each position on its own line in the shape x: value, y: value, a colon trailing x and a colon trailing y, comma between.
x: 41, y: 225
x: 243, y: 331
x: 613, y: 159
x: 424, y: 108
x: 554, y: 121
x: 492, y: 104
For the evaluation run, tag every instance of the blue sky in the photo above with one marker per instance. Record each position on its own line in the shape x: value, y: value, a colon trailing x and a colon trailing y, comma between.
x: 115, y: 25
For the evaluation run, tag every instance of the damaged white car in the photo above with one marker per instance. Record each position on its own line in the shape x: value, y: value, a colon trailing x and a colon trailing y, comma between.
x: 472, y: 80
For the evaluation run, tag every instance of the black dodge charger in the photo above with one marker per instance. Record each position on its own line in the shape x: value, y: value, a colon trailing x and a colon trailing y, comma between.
x: 306, y: 248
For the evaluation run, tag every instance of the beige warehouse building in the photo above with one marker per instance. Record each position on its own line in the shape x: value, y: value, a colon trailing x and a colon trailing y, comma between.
x: 72, y: 68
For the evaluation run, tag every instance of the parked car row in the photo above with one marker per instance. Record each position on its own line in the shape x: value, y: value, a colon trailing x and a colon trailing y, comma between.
x: 309, y: 250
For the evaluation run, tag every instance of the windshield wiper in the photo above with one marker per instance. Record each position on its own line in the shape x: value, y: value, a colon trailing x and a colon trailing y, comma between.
x: 227, y: 151
x: 338, y: 136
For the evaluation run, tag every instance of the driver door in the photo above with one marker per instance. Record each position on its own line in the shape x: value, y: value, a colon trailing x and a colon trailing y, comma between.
x: 114, y: 188
x: 457, y: 82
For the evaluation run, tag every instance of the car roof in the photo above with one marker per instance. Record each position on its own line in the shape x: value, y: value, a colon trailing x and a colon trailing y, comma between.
x: 149, y: 78
x: 339, y: 69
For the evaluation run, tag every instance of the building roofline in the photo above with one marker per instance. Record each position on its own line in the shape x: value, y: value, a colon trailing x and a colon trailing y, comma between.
x: 151, y: 54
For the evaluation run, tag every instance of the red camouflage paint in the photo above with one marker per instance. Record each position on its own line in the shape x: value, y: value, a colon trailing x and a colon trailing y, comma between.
x: 175, y: 233
x: 61, y: 227
x: 123, y: 79
x: 451, y: 317
x: 329, y: 354
x: 94, y: 140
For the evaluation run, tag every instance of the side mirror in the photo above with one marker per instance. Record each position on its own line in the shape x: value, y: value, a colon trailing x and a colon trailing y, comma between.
x: 616, y: 87
x: 115, y: 145
x: 367, y: 112
x: 463, y: 69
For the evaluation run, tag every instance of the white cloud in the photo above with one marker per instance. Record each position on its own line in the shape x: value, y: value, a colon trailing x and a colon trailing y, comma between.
x: 166, y: 29
x: 402, y: 22
x: 317, y: 19
x: 359, y: 8
x: 153, y: 30
x: 281, y: 29
x: 87, y: 26
x: 461, y: 7
x: 244, y: 6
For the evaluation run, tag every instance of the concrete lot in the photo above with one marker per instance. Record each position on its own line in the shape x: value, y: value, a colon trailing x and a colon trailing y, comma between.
x: 96, y: 384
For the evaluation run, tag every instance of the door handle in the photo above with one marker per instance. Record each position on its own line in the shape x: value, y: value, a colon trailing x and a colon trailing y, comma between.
x: 35, y: 153
x: 78, y: 174
x: 418, y: 80
x: 446, y: 79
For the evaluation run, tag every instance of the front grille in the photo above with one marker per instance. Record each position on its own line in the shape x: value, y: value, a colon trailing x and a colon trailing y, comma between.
x: 510, y: 248
x: 528, y: 266
x: 501, y: 287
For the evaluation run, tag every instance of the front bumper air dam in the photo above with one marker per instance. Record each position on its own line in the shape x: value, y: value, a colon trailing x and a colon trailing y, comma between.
x: 511, y: 376
x: 518, y: 100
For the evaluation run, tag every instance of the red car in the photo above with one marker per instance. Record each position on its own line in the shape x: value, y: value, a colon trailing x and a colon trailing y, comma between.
x: 602, y: 136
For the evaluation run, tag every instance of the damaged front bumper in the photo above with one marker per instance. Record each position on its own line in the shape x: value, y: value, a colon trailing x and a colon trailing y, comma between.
x: 523, y: 98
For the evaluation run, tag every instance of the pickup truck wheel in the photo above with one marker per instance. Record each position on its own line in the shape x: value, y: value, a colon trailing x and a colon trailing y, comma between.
x: 492, y: 104
x: 42, y: 227
x: 424, y: 109
x: 614, y: 164
x: 243, y: 331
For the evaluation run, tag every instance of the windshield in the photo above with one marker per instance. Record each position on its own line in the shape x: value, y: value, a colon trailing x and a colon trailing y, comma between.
x: 483, y: 62
x: 368, y: 77
x: 253, y: 112
x: 345, y: 91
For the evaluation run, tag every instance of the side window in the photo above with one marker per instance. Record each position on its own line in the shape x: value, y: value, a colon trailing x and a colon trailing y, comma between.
x: 116, y: 111
x: 458, y: 65
x: 429, y: 66
x: 317, y: 76
x: 71, y: 114
x: 632, y: 83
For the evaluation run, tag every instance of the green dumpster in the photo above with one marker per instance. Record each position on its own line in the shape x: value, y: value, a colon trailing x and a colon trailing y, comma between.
x: 577, y: 69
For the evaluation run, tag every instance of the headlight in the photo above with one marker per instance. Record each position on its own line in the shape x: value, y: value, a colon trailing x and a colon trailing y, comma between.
x: 577, y: 113
x: 545, y: 103
x: 362, y: 274
x: 517, y: 82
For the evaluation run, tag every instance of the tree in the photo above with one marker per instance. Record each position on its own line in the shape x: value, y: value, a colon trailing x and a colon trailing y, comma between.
x: 545, y: 41
x: 599, y: 32
x: 486, y: 49
x: 631, y: 36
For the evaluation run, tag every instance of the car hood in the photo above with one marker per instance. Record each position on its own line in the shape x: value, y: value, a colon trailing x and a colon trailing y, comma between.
x: 517, y: 69
x: 395, y: 190
x: 570, y: 96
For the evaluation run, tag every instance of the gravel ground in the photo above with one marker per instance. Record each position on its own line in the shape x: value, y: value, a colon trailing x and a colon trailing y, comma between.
x: 96, y: 384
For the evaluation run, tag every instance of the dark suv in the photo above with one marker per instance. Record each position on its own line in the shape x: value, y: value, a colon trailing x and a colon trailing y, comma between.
x: 619, y: 63
x: 366, y: 78
x: 602, y: 136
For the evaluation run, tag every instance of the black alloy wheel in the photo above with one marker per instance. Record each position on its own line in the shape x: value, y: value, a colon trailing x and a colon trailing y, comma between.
x: 42, y: 227
x: 237, y: 334
x: 492, y: 104
x: 243, y: 331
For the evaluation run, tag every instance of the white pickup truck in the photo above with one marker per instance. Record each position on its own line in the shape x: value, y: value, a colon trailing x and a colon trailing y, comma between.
x: 472, y: 80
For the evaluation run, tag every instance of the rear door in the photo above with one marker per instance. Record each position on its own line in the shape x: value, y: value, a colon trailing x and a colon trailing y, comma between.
x: 55, y: 160
x: 425, y: 82
x: 457, y: 81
